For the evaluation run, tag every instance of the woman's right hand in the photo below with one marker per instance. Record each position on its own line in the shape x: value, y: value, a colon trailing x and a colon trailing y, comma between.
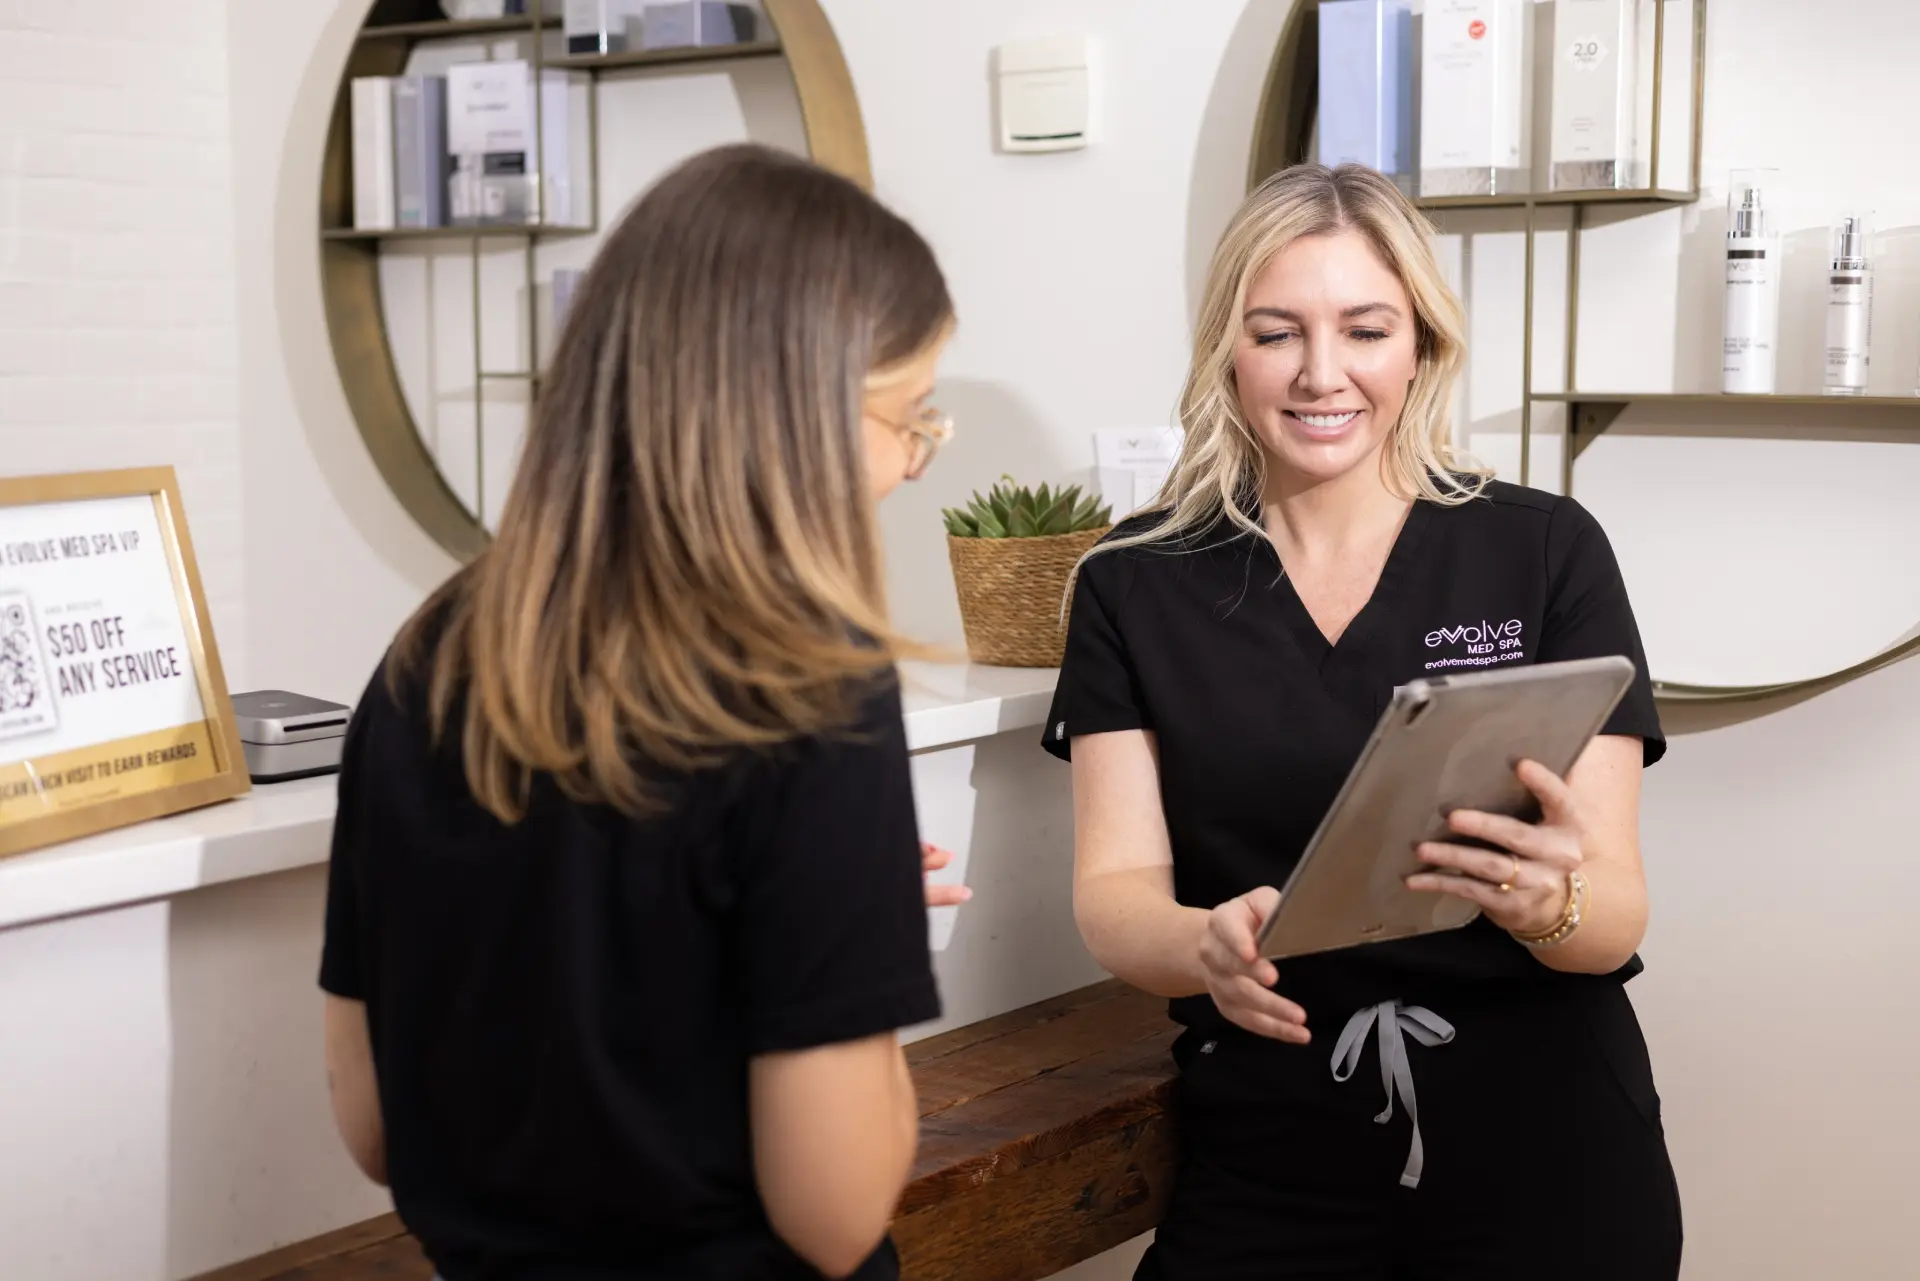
x: 1239, y: 979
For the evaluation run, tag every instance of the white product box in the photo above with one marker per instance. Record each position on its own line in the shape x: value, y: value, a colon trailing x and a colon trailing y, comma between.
x: 1131, y: 464
x: 1596, y: 141
x: 1367, y: 85
x: 371, y: 104
x: 490, y: 131
x: 1475, y: 97
x: 695, y: 23
x: 598, y: 26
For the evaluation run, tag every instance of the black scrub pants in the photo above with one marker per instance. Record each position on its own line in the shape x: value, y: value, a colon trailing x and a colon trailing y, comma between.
x: 1544, y: 1152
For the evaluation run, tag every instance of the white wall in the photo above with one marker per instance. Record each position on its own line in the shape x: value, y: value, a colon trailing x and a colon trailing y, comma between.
x: 116, y: 261
x: 1779, y: 995
x: 162, y: 1096
x: 1071, y: 273
x: 332, y: 562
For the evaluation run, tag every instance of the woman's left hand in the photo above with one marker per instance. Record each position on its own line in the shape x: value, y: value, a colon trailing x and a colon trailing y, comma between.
x: 932, y: 859
x: 1523, y: 885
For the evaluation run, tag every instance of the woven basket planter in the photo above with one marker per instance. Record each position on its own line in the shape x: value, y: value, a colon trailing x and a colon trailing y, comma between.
x: 1011, y: 593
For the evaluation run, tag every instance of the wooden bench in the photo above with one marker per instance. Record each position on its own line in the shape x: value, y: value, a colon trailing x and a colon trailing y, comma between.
x: 1046, y: 1139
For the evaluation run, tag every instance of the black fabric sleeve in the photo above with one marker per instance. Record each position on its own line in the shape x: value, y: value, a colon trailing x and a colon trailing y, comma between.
x: 832, y: 906
x: 1588, y: 616
x: 1098, y: 691
x: 341, y: 947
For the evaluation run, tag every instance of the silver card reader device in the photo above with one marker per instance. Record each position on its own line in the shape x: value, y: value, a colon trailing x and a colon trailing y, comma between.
x: 286, y: 735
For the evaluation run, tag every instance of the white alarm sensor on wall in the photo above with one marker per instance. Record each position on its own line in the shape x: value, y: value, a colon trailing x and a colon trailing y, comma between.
x: 1043, y: 94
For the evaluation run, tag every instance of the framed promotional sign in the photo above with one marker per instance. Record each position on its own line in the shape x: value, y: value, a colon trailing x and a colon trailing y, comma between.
x: 113, y: 705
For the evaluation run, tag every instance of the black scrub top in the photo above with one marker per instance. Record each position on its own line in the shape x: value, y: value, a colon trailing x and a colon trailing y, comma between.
x: 563, y: 1010
x: 1258, y: 719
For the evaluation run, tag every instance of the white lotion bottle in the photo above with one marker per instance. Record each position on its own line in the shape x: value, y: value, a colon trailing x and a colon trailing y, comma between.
x: 1849, y: 309
x: 1751, y: 325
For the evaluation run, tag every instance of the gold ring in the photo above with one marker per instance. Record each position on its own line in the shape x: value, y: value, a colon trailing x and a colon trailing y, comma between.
x: 1506, y: 886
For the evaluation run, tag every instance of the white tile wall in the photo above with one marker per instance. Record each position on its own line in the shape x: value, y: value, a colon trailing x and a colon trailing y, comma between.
x: 117, y: 288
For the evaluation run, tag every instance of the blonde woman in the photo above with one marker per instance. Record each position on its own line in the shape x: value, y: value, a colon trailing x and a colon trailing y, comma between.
x: 1475, y: 1104
x: 626, y: 901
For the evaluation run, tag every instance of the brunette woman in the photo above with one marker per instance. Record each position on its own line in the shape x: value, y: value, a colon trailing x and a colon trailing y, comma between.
x: 626, y: 902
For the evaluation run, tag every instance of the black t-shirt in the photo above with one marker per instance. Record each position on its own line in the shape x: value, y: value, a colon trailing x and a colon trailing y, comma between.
x: 563, y: 1011
x: 1258, y: 720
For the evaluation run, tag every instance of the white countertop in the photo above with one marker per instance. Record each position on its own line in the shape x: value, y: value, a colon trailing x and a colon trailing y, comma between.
x: 278, y: 826
x: 958, y: 703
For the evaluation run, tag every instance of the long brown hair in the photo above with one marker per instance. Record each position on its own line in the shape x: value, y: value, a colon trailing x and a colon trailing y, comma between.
x: 688, y: 562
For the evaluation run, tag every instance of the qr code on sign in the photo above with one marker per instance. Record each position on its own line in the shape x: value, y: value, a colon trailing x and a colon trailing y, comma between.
x: 26, y: 699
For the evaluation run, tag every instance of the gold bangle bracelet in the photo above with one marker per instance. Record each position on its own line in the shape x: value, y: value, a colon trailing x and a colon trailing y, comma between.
x: 1570, y: 919
x: 1570, y: 916
x: 1566, y: 914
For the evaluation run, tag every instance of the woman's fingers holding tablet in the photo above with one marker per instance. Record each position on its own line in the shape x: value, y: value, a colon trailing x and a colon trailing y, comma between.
x: 1558, y: 839
x: 1490, y: 867
x: 1223, y: 958
x: 1523, y: 884
x: 1237, y: 922
x: 1231, y: 945
x: 1265, y: 1013
x: 1239, y: 979
x: 1534, y: 898
x: 1500, y: 882
x: 1540, y: 842
x: 1248, y: 1003
x: 1557, y: 804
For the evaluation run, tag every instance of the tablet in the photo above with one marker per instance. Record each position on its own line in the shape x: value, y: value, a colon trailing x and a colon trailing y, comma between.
x: 1444, y: 743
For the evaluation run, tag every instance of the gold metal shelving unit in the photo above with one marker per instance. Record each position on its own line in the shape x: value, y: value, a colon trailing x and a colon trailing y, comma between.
x: 1283, y: 136
x: 668, y: 57
x: 380, y: 26
x: 350, y: 279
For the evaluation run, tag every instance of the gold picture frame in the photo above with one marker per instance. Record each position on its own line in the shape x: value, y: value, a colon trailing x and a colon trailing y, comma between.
x: 64, y: 650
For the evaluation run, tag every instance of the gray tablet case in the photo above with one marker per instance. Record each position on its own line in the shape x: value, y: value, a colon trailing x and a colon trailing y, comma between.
x: 1445, y: 743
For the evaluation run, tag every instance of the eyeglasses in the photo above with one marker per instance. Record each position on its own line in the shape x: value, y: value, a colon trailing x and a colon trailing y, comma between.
x: 928, y: 430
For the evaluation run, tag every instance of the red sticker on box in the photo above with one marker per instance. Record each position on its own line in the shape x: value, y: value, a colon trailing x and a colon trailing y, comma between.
x: 1477, y: 29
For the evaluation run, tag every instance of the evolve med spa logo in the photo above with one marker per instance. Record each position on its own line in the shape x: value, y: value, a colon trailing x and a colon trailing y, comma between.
x: 1484, y: 644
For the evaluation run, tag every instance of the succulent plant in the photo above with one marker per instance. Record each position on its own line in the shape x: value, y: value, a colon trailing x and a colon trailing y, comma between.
x: 1014, y: 511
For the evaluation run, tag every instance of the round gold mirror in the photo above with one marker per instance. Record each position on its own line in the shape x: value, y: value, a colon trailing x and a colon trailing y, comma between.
x: 440, y: 331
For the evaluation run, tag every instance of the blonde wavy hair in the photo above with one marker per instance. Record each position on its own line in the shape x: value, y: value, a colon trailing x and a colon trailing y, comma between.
x: 1222, y: 465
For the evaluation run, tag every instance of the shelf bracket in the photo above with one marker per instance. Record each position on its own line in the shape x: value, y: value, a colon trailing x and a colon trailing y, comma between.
x: 1587, y: 419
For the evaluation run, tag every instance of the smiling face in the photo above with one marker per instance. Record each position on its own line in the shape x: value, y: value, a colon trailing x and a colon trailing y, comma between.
x: 1327, y: 349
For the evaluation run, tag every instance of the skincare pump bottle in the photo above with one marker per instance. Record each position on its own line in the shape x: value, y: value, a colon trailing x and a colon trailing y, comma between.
x: 1752, y: 317
x: 1849, y: 309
